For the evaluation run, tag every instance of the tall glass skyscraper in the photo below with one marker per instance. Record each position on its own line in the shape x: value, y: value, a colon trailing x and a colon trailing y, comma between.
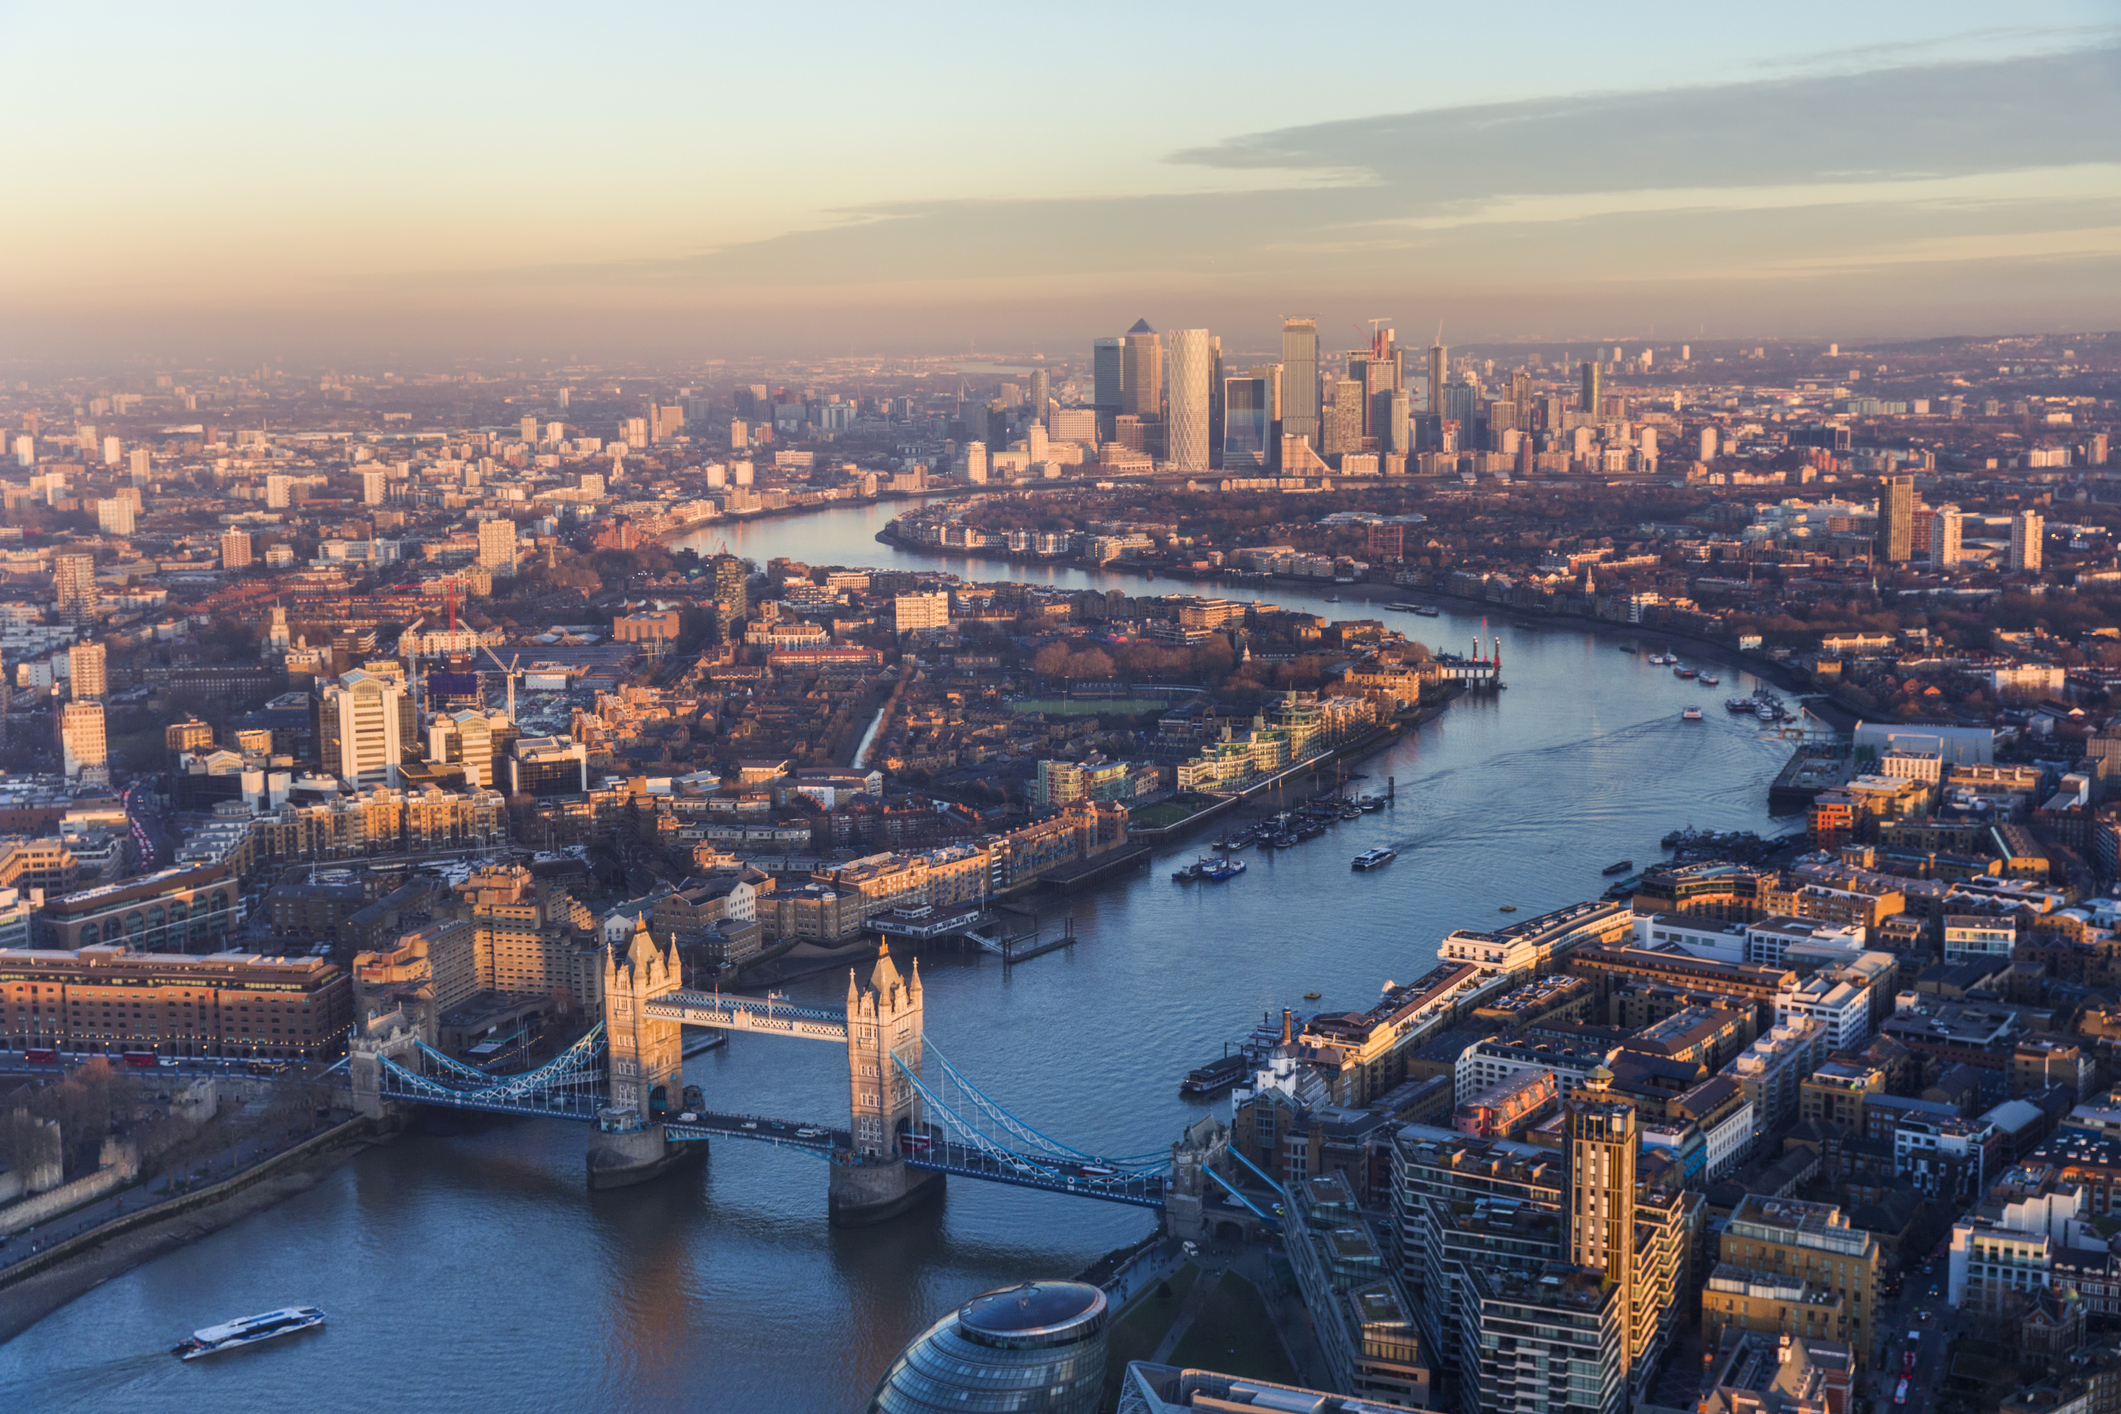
x: 1248, y: 424
x: 1192, y: 378
x: 1108, y: 361
x: 1141, y: 390
x: 1299, y: 379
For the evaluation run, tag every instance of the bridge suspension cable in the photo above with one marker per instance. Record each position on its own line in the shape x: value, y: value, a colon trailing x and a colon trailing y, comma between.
x: 1030, y: 1141
x: 572, y: 1082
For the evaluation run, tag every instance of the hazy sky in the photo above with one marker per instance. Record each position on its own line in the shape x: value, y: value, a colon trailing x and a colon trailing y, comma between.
x: 712, y: 180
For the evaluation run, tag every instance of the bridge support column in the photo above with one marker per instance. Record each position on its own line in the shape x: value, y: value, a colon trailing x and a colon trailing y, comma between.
x: 865, y: 1191
x: 621, y: 1156
x: 1185, y: 1214
x: 364, y: 1064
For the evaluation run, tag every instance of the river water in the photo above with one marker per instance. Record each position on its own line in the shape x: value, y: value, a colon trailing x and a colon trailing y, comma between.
x: 467, y: 1267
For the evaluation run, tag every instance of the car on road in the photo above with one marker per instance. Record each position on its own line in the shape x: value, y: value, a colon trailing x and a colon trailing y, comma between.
x: 751, y: 1124
x: 806, y: 1132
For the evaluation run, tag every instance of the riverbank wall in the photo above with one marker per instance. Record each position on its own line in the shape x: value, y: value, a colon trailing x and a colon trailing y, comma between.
x: 33, y: 1288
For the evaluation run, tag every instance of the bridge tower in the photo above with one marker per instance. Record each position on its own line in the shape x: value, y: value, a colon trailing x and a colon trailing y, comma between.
x: 647, y: 1064
x: 871, y: 1182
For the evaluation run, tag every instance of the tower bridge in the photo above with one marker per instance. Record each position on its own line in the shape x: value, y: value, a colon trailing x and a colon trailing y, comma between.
x: 912, y: 1118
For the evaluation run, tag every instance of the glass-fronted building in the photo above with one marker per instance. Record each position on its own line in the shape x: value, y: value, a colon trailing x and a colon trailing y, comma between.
x: 1038, y: 1348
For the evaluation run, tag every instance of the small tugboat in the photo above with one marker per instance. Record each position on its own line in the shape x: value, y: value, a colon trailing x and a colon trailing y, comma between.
x: 1621, y: 868
x: 1691, y: 714
x: 1682, y: 671
x: 1223, y: 870
x: 1708, y: 680
x: 1190, y: 872
x: 1374, y: 859
x: 247, y: 1330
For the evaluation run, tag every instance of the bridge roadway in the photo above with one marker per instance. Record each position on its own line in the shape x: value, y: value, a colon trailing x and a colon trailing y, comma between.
x: 809, y: 1138
x: 727, y: 1012
x: 967, y: 1161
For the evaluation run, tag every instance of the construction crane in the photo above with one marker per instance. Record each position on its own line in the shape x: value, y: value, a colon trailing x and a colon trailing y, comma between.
x: 508, y: 675
x: 409, y: 641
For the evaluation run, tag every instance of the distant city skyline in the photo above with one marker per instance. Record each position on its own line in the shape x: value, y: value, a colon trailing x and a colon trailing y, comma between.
x: 699, y: 183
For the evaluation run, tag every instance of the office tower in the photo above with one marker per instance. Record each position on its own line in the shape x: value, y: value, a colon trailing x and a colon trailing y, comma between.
x: 114, y: 516
x: 566, y: 396
x: 1947, y: 525
x: 1521, y: 394
x: 1215, y: 400
x: 529, y: 428
x: 74, y: 585
x: 1041, y: 395
x: 1192, y: 369
x: 1299, y: 379
x: 373, y: 486
x: 360, y: 726
x: 1397, y: 437
x: 1439, y: 370
x: 87, y: 671
x: 1460, y: 406
x: 1896, y: 519
x: 1142, y: 372
x: 1591, y: 399
x: 497, y: 546
x: 1599, y: 1144
x: 976, y: 463
x: 1708, y: 444
x: 235, y: 549
x: 140, y: 465
x: 83, y: 745
x: 1108, y: 382
x: 1340, y: 430
x: 2026, y: 529
x: 1380, y: 379
x: 1247, y: 424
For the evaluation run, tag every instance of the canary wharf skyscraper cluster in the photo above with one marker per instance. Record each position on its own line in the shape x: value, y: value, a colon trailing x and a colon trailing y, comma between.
x: 1174, y: 399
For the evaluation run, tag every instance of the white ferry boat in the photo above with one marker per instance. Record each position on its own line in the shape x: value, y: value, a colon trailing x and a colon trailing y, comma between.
x: 248, y: 1330
x: 1374, y: 858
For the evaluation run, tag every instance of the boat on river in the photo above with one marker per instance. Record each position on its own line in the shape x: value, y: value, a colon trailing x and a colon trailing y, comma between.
x: 1374, y: 859
x: 1691, y: 714
x: 1621, y: 868
x: 1215, y: 1076
x: 247, y: 1330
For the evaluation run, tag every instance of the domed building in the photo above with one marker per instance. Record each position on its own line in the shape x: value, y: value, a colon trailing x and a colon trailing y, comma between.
x: 1038, y: 1348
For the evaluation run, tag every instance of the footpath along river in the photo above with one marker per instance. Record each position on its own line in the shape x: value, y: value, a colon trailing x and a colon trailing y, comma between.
x: 470, y: 1269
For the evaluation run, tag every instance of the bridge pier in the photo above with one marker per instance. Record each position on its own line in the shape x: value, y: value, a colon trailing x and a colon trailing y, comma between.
x: 623, y: 1151
x: 863, y: 1191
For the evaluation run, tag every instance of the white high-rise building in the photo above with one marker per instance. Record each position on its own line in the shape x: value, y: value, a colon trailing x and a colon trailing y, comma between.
x: 1191, y: 381
x: 115, y: 516
x: 2027, y: 527
x: 83, y: 745
x: 360, y: 728
x: 976, y: 463
x: 374, y: 486
x: 25, y: 450
x: 1947, y: 525
x: 141, y: 465
x: 497, y: 546
x: 113, y: 451
x: 1708, y: 444
x: 276, y: 492
x: 235, y: 549
x: 87, y: 671
x: 74, y: 588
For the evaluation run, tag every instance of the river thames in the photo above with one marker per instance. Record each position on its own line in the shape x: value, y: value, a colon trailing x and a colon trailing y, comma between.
x: 471, y: 1269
